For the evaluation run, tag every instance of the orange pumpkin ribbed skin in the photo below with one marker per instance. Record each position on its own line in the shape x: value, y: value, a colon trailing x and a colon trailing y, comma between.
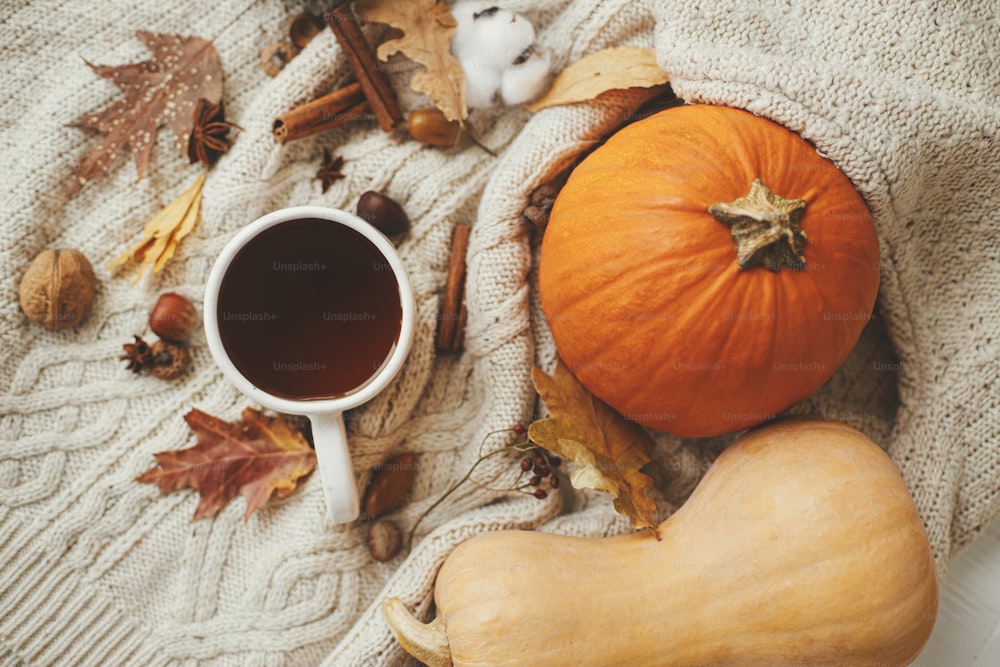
x: 643, y: 294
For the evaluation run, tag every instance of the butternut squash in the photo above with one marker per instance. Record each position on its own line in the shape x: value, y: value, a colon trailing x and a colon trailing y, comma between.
x: 801, y: 545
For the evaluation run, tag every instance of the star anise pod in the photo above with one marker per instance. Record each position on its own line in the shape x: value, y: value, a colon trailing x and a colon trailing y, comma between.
x: 330, y: 171
x: 164, y: 359
x: 138, y: 354
x: 208, y: 138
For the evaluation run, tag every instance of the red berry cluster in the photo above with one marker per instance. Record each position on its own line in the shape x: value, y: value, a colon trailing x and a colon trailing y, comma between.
x: 542, y: 466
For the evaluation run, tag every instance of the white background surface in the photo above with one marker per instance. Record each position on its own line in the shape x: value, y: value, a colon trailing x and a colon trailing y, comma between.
x: 967, y: 631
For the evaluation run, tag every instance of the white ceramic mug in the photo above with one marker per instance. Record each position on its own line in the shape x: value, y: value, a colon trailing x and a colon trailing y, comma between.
x: 326, y: 415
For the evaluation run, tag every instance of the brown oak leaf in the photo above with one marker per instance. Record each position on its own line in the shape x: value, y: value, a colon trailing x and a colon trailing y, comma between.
x: 427, y: 28
x: 162, y: 91
x: 259, y: 456
x: 608, y: 449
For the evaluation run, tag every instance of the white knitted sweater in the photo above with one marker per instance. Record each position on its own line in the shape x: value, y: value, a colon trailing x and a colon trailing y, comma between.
x: 96, y: 569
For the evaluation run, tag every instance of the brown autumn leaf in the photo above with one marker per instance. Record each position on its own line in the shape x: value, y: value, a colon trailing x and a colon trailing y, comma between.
x: 427, y: 31
x: 616, y: 68
x: 608, y: 449
x: 162, y: 234
x: 259, y: 456
x: 162, y: 91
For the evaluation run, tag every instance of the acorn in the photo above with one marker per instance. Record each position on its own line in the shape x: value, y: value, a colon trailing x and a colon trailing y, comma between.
x: 173, y: 317
x: 431, y: 127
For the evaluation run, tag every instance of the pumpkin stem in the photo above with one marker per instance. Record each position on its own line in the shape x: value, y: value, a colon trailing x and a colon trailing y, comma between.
x: 427, y: 642
x: 765, y: 227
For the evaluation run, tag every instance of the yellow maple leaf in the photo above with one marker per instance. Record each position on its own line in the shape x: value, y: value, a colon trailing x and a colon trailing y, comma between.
x: 608, y: 449
x: 427, y: 28
x: 162, y: 234
x: 610, y: 69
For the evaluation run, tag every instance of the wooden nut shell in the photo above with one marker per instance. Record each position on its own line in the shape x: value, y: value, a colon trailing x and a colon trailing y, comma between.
x: 57, y: 289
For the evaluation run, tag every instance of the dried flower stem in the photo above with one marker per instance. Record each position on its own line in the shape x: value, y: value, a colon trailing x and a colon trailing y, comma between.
x: 521, y: 446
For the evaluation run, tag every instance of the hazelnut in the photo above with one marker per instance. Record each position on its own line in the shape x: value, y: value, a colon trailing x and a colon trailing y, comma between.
x: 384, y: 540
x: 173, y: 317
x: 57, y: 289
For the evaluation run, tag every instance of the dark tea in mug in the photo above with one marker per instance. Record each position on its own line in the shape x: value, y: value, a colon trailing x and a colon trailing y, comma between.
x: 309, y: 310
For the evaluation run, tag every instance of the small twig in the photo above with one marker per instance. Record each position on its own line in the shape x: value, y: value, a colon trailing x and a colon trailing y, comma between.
x: 486, y: 148
x: 454, y: 487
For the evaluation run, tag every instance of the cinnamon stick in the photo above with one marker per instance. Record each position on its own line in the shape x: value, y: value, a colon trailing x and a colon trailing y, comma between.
x: 451, y: 319
x: 339, y: 107
x: 378, y: 91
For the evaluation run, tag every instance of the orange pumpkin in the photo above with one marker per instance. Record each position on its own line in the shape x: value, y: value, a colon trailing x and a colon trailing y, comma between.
x: 706, y: 269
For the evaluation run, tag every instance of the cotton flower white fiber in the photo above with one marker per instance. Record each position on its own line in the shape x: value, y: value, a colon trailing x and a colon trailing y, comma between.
x: 495, y: 47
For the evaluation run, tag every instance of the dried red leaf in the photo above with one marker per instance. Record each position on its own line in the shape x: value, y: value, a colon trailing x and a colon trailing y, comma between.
x: 258, y: 456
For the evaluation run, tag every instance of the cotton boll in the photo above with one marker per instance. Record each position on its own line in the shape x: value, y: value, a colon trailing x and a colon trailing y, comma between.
x: 465, y: 41
x: 489, y: 35
x: 488, y: 42
x: 482, y: 86
x: 501, y: 37
x: 525, y: 81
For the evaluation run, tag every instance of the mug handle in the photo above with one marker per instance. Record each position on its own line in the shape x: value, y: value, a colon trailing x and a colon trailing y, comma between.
x: 335, y: 468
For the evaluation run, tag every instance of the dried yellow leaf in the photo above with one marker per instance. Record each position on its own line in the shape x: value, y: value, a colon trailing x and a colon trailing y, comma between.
x: 608, y: 449
x: 162, y: 234
x: 427, y: 31
x: 611, y: 69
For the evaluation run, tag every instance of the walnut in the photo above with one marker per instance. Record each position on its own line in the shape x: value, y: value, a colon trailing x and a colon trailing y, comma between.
x: 57, y: 289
